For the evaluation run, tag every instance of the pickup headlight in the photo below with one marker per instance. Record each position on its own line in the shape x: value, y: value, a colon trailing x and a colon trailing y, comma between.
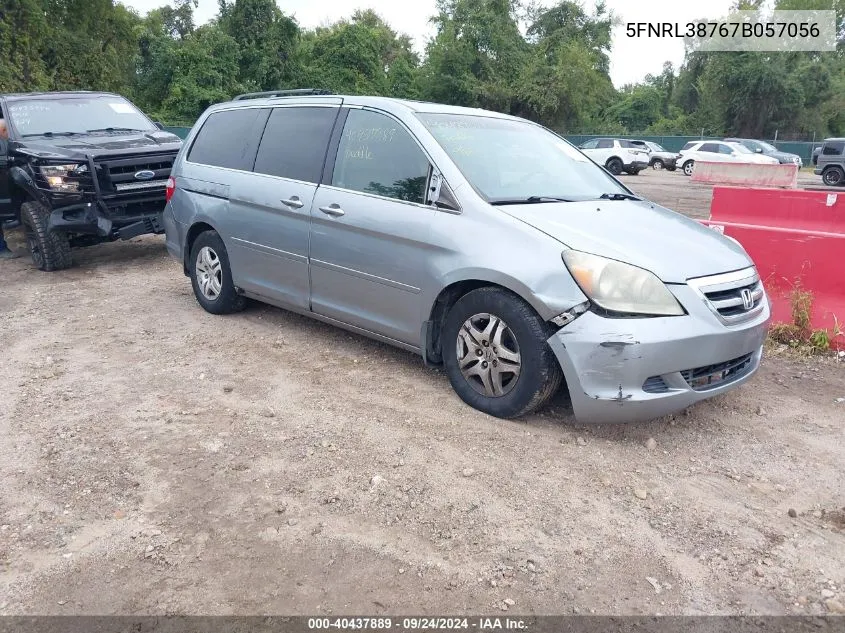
x: 620, y: 287
x: 57, y: 176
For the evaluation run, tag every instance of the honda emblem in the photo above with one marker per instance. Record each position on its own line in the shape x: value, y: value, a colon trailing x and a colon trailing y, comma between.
x: 747, y: 299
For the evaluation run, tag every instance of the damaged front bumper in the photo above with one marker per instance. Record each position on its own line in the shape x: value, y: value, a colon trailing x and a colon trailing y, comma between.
x: 628, y: 370
x: 93, y: 219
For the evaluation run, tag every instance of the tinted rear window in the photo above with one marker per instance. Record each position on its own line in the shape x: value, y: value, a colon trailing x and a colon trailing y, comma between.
x: 833, y: 149
x: 229, y: 139
x: 294, y: 143
x: 628, y: 144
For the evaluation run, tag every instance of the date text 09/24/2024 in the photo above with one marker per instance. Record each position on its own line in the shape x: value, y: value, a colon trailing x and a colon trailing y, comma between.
x: 417, y: 624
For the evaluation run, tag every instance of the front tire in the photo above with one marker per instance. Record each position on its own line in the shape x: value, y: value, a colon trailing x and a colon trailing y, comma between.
x: 496, y: 356
x: 614, y: 166
x: 657, y: 164
x: 833, y: 176
x: 211, y: 276
x: 688, y: 167
x: 49, y: 250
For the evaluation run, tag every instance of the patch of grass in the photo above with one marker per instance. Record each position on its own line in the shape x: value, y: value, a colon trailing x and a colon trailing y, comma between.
x: 799, y: 335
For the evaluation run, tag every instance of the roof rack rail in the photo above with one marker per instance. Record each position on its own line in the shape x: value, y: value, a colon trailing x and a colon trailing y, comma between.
x: 282, y: 93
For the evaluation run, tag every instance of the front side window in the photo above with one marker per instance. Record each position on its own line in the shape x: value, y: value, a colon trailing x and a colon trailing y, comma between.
x: 726, y: 149
x: 377, y: 155
x: 511, y: 159
x: 687, y: 146
x: 74, y: 115
x: 605, y: 143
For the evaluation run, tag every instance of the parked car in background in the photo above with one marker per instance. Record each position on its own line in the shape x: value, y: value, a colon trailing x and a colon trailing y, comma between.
x: 658, y: 157
x: 80, y: 168
x: 483, y: 242
x: 762, y: 147
x: 831, y: 162
x: 719, y: 152
x: 617, y: 155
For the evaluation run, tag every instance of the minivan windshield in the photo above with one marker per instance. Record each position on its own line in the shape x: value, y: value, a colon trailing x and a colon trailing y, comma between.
x: 83, y: 114
x: 511, y: 161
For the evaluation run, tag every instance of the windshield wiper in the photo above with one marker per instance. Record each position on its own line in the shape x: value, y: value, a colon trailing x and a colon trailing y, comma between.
x: 618, y: 196
x: 529, y: 200
x: 51, y: 134
x: 117, y: 129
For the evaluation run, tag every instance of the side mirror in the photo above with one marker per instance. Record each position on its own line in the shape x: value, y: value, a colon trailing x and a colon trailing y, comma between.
x: 159, y: 125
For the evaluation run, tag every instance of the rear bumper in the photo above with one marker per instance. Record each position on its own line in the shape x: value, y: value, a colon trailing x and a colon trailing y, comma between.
x: 628, y: 370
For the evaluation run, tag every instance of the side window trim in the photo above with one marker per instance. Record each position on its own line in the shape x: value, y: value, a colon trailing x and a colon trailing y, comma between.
x: 334, y: 144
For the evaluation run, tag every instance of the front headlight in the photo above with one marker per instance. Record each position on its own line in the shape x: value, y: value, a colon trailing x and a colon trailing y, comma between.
x: 57, y: 176
x: 620, y: 287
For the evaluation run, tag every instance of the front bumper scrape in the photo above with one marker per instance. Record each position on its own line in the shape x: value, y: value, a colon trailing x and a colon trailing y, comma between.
x: 629, y: 370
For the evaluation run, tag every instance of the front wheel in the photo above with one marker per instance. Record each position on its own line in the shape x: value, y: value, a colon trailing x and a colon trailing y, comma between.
x: 657, y: 164
x: 688, y: 167
x: 211, y: 276
x: 614, y: 166
x: 50, y: 250
x: 833, y: 176
x: 496, y: 356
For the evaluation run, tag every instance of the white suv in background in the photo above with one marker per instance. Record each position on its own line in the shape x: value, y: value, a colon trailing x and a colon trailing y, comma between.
x: 617, y: 155
x: 719, y: 152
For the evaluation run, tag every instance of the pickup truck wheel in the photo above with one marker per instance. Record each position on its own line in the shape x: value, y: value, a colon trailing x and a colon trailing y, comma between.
x: 211, y: 276
x: 688, y: 167
x: 657, y: 164
x: 833, y: 176
x: 614, y: 166
x: 496, y: 355
x: 50, y: 251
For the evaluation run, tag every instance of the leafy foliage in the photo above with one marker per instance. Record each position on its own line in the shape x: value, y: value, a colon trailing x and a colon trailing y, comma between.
x: 548, y: 63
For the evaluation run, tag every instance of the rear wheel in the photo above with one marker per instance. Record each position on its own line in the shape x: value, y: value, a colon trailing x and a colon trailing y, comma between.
x: 50, y: 251
x: 614, y: 166
x: 688, y: 167
x: 496, y: 356
x: 833, y: 176
x: 211, y: 276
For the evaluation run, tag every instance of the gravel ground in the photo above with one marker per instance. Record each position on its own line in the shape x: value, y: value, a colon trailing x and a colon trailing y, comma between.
x: 155, y: 459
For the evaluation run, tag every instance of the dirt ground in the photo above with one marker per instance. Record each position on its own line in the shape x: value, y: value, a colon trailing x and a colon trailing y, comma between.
x: 155, y: 459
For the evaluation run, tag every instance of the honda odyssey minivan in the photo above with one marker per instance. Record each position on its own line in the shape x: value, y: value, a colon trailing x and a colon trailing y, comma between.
x: 483, y: 242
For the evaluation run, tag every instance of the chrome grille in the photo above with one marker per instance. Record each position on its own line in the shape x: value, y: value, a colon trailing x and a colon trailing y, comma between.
x: 733, y: 297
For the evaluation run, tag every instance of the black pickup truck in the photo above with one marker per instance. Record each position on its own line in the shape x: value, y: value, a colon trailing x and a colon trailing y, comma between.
x: 80, y: 168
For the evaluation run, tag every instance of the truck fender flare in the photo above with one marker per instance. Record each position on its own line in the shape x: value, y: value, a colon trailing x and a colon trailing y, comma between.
x: 23, y: 180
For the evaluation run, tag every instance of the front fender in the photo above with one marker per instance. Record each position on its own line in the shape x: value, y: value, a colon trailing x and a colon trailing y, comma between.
x: 25, y: 182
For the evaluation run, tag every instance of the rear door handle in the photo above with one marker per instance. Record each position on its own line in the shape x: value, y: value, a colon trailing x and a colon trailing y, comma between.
x: 293, y: 202
x: 333, y: 210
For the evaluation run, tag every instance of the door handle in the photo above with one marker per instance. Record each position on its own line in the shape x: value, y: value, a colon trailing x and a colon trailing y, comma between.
x: 293, y: 202
x: 333, y: 210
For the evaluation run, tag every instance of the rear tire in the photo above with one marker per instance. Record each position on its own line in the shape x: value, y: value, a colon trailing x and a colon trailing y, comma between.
x: 494, y: 333
x: 211, y: 276
x: 614, y: 166
x: 833, y: 176
x: 688, y: 167
x: 50, y: 251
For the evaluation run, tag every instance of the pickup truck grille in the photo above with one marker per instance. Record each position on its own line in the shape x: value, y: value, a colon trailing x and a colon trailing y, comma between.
x: 733, y: 297
x: 119, y: 176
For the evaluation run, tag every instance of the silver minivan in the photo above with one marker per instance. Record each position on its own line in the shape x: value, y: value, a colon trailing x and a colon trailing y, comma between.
x: 483, y: 242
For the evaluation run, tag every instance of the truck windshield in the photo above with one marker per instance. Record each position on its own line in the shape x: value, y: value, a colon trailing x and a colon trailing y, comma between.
x: 76, y: 115
x: 509, y: 160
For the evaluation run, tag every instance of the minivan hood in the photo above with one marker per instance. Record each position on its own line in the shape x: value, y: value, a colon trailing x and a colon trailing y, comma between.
x: 641, y: 233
